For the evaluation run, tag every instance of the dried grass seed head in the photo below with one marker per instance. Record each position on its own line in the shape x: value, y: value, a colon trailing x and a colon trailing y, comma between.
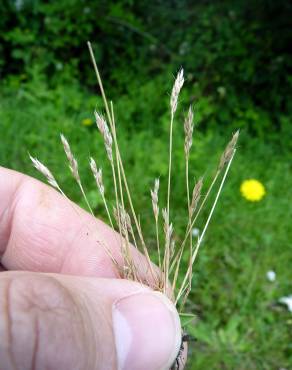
x: 97, y: 173
x: 73, y: 165
x: 105, y: 132
x: 228, y: 152
x: 154, y: 197
x: 196, y: 196
x: 123, y: 218
x: 44, y: 171
x: 168, y: 228
x: 178, y: 83
x: 165, y: 215
x: 188, y: 128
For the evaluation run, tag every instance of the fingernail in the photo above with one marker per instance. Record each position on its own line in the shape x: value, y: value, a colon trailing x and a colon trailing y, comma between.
x: 147, y: 331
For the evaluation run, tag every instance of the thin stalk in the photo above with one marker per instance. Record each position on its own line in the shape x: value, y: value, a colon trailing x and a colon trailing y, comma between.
x: 181, y: 249
x: 119, y: 158
x: 117, y: 161
x: 107, y: 211
x: 189, y: 211
x: 169, y: 163
x: 85, y: 198
x: 157, y: 243
x: 205, y: 227
x: 115, y: 185
x: 176, y: 270
x: 189, y: 229
x: 187, y: 181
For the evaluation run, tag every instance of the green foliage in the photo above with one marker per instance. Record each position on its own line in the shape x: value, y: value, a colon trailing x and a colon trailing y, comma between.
x: 236, y: 53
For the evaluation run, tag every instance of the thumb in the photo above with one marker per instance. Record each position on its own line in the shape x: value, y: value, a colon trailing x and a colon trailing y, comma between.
x: 51, y: 321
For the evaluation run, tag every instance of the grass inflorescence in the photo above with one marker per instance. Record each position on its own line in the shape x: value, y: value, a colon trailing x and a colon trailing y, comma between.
x: 123, y: 216
x: 169, y: 254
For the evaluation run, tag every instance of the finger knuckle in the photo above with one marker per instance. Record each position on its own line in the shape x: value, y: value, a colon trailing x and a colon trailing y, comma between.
x: 31, y: 309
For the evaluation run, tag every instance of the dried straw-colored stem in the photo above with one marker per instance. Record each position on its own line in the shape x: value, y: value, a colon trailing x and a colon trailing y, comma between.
x: 168, y: 231
x: 195, y: 199
x: 108, y: 142
x: 97, y: 173
x: 179, y: 81
x: 138, y: 227
x: 155, y: 206
x: 116, y: 155
x: 188, y: 129
x: 124, y: 220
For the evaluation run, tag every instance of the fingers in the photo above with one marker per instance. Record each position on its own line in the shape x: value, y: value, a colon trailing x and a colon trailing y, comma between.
x: 40, y: 230
x: 52, y: 321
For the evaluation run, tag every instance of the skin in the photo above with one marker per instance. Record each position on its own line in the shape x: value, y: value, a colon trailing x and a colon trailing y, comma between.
x: 57, y: 280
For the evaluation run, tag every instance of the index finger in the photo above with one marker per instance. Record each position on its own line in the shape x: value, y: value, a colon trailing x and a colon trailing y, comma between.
x: 40, y: 230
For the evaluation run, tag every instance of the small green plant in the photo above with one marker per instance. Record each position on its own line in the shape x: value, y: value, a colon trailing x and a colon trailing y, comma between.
x: 171, y: 249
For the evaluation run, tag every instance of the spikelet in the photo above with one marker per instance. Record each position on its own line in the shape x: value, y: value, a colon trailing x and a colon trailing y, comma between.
x: 45, y: 171
x: 97, y: 173
x: 105, y: 132
x: 122, y: 217
x: 179, y: 81
x: 154, y: 197
x: 73, y: 165
x: 229, y: 151
x: 188, y: 128
x: 168, y: 228
x: 195, y: 197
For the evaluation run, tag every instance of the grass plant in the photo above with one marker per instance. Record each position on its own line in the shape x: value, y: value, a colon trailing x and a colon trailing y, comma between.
x: 239, y: 324
x: 128, y: 224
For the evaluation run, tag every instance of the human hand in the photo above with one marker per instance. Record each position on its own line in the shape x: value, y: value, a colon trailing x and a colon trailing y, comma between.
x: 61, y: 304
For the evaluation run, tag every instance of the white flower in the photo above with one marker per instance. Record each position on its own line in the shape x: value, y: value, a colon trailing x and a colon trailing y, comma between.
x: 287, y: 301
x: 59, y: 66
x: 221, y: 91
x: 18, y: 5
x: 195, y: 232
x: 271, y: 275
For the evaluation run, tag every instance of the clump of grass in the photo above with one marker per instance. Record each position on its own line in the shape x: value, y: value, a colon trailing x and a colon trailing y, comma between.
x: 124, y: 216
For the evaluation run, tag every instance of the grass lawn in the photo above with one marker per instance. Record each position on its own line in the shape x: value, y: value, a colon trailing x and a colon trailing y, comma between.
x: 239, y: 324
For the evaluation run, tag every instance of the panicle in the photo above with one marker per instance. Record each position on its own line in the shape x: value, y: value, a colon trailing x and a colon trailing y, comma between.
x: 228, y: 152
x: 188, y: 128
x: 196, y: 196
x: 123, y: 219
x: 105, y: 132
x: 154, y: 197
x: 97, y: 173
x: 45, y: 171
x: 178, y: 83
x: 73, y: 165
x: 168, y: 228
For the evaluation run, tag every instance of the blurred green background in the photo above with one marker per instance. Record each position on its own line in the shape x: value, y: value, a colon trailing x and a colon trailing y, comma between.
x: 238, y: 75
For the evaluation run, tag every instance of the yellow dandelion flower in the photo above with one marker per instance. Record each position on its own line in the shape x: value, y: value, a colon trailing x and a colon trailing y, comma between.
x: 252, y: 190
x: 87, y: 122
